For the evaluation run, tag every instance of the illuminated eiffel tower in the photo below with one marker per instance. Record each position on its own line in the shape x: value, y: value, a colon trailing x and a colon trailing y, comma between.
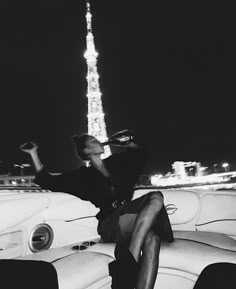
x: 96, y: 117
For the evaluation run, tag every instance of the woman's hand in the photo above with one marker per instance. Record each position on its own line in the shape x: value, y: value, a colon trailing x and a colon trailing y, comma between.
x: 32, y: 149
x: 29, y: 147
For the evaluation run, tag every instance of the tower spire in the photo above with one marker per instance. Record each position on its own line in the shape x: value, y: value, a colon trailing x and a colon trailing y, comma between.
x: 96, y: 118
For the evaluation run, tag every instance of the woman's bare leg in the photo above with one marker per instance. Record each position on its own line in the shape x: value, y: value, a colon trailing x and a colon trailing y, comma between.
x: 146, y: 237
x: 149, y: 262
x: 144, y: 223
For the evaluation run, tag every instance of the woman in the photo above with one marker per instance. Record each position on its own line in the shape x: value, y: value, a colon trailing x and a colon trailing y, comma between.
x: 136, y: 226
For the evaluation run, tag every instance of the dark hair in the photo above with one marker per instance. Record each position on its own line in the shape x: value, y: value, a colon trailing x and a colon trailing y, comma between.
x: 80, y: 144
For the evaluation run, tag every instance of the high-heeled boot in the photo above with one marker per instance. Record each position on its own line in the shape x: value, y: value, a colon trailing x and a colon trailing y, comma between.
x: 123, y: 270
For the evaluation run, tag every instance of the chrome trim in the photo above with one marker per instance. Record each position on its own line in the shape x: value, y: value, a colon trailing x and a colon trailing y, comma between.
x: 41, y: 237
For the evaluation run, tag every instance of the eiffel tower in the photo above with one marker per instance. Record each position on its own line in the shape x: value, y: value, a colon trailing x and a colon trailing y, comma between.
x: 96, y: 117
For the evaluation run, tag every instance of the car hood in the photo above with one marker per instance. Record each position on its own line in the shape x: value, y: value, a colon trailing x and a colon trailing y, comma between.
x: 18, y: 206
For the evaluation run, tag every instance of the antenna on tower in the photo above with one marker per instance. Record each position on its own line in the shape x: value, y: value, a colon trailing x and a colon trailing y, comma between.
x: 88, y: 17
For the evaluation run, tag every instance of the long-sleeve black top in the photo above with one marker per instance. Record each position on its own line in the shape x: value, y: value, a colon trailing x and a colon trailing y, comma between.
x: 90, y: 184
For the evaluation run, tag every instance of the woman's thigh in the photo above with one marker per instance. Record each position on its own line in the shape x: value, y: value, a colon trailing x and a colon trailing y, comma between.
x: 126, y: 226
x: 129, y: 214
x: 128, y: 217
x: 118, y: 226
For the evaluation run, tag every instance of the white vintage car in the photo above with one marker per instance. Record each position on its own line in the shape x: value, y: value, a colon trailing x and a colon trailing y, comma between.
x: 61, y: 229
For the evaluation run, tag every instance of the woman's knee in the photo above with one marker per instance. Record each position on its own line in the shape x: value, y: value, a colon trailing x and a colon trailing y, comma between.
x: 156, y: 198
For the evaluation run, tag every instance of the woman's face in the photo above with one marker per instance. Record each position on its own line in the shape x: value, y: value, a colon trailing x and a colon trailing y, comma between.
x: 93, y: 147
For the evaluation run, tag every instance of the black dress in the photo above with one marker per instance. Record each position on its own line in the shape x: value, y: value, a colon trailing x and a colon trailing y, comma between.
x: 89, y: 184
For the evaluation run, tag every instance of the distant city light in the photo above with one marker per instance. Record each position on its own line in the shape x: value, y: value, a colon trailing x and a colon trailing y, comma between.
x: 225, y: 166
x: 183, y: 175
x: 155, y: 179
x: 203, y: 168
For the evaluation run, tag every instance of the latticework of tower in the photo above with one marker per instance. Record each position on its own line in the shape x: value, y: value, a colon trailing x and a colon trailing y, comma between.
x: 96, y: 116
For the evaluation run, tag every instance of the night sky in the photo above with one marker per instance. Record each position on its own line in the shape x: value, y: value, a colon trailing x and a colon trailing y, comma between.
x: 167, y: 71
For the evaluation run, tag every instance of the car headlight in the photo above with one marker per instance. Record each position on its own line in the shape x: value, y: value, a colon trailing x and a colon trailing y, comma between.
x: 40, y: 238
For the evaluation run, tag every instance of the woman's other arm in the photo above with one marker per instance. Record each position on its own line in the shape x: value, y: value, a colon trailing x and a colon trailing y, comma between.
x: 32, y: 149
x: 43, y: 178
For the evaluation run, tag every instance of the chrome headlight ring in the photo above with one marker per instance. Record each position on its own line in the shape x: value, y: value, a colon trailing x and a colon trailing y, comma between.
x: 41, y: 238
